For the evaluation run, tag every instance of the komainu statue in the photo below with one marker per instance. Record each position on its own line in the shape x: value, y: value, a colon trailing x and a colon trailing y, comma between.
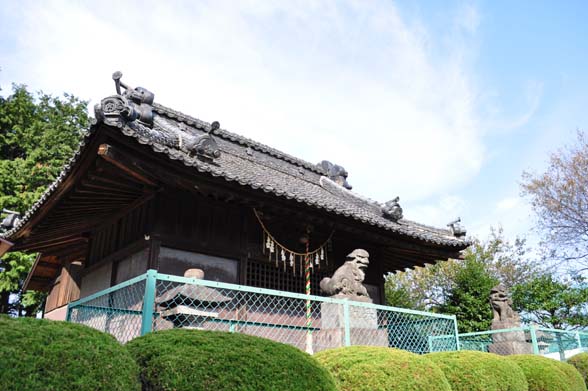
x: 505, y: 318
x: 502, y: 306
x: 346, y: 282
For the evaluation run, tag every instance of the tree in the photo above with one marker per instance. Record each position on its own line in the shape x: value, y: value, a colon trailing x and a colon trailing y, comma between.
x: 427, y: 287
x: 559, y: 197
x: 468, y: 297
x: 553, y: 303
x: 38, y: 133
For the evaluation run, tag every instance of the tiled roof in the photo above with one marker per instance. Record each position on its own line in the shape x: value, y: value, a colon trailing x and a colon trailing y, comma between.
x: 258, y: 166
x: 261, y: 167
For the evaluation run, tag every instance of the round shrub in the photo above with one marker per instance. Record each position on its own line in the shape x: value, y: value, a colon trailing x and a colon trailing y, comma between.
x: 546, y: 374
x: 367, y: 368
x: 580, y: 362
x: 192, y: 360
x: 44, y: 355
x: 477, y: 371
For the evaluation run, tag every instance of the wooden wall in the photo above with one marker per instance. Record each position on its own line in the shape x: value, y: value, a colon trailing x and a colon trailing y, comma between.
x: 195, y: 223
x: 66, y: 287
x: 117, y: 235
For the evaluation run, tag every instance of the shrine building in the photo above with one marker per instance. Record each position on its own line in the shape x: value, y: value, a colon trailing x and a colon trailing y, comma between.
x: 153, y: 188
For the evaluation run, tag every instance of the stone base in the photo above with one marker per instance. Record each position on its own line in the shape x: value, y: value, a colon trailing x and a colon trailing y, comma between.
x: 335, y: 338
x: 510, y: 347
x: 332, y: 317
x: 509, y: 336
x: 363, y: 325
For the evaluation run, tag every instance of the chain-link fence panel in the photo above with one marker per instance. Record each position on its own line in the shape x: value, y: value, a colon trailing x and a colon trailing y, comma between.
x: 559, y: 344
x: 414, y: 331
x: 310, y: 323
x: 219, y: 307
x: 502, y: 342
x: 556, y: 344
x: 117, y: 310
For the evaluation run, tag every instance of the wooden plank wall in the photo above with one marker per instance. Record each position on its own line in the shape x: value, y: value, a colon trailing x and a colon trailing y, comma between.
x: 120, y: 233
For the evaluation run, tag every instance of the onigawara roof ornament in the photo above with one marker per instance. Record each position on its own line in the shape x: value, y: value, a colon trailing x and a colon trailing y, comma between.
x: 134, y: 108
x: 335, y: 173
x: 10, y: 221
x: 457, y: 229
x: 133, y: 104
x: 392, y: 209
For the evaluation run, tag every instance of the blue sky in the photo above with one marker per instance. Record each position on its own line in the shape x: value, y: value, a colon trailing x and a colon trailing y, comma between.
x: 443, y: 103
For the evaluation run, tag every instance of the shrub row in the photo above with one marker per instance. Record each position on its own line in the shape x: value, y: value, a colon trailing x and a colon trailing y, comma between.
x: 42, y: 355
x: 363, y: 368
x: 580, y: 361
x: 190, y: 360
x: 45, y: 355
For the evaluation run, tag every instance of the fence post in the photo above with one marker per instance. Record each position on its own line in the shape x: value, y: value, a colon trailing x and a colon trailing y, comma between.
x: 148, y: 302
x: 534, y: 340
x: 68, y: 314
x: 347, y: 322
x: 457, y: 344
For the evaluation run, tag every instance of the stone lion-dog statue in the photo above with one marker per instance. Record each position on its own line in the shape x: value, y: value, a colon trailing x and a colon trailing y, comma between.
x: 502, y: 305
x: 346, y: 282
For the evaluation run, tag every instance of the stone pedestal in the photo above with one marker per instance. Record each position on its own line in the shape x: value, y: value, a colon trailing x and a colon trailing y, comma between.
x: 510, y: 342
x: 507, y: 348
x: 363, y: 325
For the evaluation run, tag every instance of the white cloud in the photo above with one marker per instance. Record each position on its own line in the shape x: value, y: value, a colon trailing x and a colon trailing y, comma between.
x: 511, y: 213
x: 509, y: 203
x: 440, y: 213
x: 351, y: 82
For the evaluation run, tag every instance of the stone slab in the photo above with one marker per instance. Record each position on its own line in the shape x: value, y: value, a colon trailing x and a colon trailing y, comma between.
x: 510, y: 347
x: 332, y: 316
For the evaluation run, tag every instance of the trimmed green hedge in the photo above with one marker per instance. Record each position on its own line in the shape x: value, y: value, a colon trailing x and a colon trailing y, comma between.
x: 580, y: 362
x: 365, y: 368
x: 43, y: 355
x: 478, y: 371
x: 546, y: 374
x: 191, y: 360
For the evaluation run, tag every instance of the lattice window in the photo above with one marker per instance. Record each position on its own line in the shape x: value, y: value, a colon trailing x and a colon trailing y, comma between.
x: 266, y: 275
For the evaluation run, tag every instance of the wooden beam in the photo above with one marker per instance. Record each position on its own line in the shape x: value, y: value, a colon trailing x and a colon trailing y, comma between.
x: 25, y: 285
x: 40, y: 246
x: 5, y: 245
x: 129, y: 165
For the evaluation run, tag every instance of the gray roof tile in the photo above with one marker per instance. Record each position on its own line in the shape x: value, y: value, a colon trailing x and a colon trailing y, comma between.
x: 258, y: 166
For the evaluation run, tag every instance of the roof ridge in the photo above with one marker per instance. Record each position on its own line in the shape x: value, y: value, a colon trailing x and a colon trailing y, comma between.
x: 431, y: 228
x: 234, y: 137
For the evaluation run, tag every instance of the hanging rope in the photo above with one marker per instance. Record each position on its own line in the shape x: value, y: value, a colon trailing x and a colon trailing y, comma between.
x: 316, y: 251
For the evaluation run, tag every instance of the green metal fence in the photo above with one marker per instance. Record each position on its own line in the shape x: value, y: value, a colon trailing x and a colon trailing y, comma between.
x: 155, y: 301
x: 557, y: 344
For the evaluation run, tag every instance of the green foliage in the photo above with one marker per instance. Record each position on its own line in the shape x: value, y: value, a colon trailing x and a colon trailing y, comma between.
x: 551, y: 302
x: 42, y: 355
x: 37, y: 135
x: 546, y: 374
x: 399, y: 294
x: 365, y: 368
x: 468, y: 298
x: 430, y: 287
x: 580, y: 362
x: 192, y: 360
x: 478, y: 371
